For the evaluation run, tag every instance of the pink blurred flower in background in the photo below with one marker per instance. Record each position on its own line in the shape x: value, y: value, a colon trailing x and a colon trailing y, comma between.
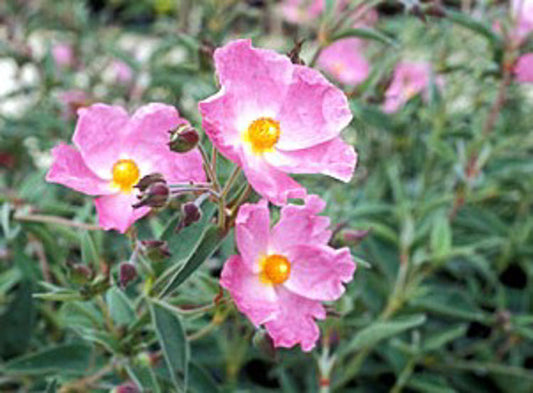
x: 63, y: 55
x: 409, y: 79
x: 283, y: 274
x: 122, y: 72
x: 71, y: 101
x: 272, y: 117
x: 522, y: 11
x: 112, y: 152
x: 524, y: 68
x: 344, y: 61
x: 302, y: 11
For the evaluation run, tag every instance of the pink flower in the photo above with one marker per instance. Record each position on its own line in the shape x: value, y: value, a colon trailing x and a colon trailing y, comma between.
x: 524, y: 68
x: 410, y: 79
x: 113, y: 151
x: 272, y: 117
x: 123, y: 72
x: 522, y: 11
x: 63, y: 55
x: 343, y: 60
x: 302, y: 11
x: 283, y: 275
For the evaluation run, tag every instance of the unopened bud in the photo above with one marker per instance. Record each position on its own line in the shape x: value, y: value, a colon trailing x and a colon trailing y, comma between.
x: 352, y: 237
x: 79, y: 274
x: 148, y: 180
x: 127, y: 273
x: 129, y: 387
x: 263, y: 342
x: 155, y: 250
x: 156, y: 195
x: 190, y: 213
x: 183, y: 139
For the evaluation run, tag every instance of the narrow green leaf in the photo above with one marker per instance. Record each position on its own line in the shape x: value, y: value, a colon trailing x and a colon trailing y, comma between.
x: 210, y: 242
x: 366, y: 34
x: 120, y: 307
x: 61, y: 359
x: 441, y: 338
x: 173, y: 341
x: 89, y: 254
x: 200, y: 381
x: 475, y: 26
x: 52, y: 386
x: 381, y: 330
x: 441, y: 236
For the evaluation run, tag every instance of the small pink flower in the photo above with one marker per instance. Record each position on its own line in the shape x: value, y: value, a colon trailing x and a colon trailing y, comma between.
x: 524, y: 68
x: 522, y: 11
x: 71, y: 101
x: 123, y: 72
x: 63, y: 55
x: 410, y: 79
x: 283, y: 274
x: 343, y: 61
x: 272, y: 117
x: 302, y: 11
x: 113, y: 151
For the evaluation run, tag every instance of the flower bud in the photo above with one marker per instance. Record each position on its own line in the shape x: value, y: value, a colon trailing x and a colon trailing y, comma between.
x: 352, y: 237
x: 190, y: 213
x: 79, y: 274
x: 127, y: 273
x: 148, y: 180
x: 155, y: 250
x: 128, y: 387
x: 183, y: 139
x: 155, y: 195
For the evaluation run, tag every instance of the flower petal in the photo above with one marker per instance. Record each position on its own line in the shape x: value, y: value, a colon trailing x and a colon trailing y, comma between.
x: 524, y: 68
x: 99, y: 137
x: 270, y: 182
x: 295, y: 324
x: 116, y: 211
x: 147, y: 144
x: 343, y: 60
x: 318, y: 272
x: 257, y: 300
x: 252, y: 228
x: 313, y: 111
x: 69, y: 169
x: 334, y: 158
x: 301, y: 225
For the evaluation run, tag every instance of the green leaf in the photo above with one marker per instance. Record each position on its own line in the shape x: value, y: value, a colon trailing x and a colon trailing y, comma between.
x: 171, y: 336
x: 89, y: 254
x: 476, y: 26
x: 364, y: 33
x: 440, y: 338
x: 210, y: 242
x: 441, y: 236
x: 120, y: 307
x: 52, y: 386
x: 381, y: 330
x: 200, y: 381
x: 61, y: 359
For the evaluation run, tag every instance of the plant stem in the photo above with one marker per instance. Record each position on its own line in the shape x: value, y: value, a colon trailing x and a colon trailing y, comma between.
x: 55, y: 220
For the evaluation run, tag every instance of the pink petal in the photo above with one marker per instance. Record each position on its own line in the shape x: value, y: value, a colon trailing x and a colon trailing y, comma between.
x: 301, y: 225
x: 252, y: 228
x: 99, y: 137
x: 343, y: 61
x: 295, y: 324
x: 270, y: 182
x: 116, y: 211
x: 334, y: 158
x: 257, y: 300
x: 147, y: 143
x: 524, y: 68
x: 69, y: 170
x: 410, y: 78
x: 318, y: 272
x: 314, y: 111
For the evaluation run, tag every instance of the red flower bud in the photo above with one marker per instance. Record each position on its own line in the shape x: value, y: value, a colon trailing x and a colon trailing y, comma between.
x: 127, y: 273
x: 183, y: 139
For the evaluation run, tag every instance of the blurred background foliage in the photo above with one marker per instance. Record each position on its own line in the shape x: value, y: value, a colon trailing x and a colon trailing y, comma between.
x: 443, y: 297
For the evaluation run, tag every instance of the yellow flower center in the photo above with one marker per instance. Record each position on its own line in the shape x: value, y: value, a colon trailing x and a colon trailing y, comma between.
x: 262, y: 134
x: 276, y: 269
x: 125, y: 174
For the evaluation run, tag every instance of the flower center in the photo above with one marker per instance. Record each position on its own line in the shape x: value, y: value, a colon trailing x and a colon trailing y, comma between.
x: 276, y: 269
x: 262, y: 134
x: 125, y: 174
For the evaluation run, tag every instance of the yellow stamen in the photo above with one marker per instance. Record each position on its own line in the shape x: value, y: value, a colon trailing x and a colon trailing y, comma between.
x: 125, y: 174
x: 276, y: 269
x: 262, y: 134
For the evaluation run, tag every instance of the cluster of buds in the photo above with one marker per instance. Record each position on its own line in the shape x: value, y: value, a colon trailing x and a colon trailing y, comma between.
x: 183, y: 138
x: 154, y: 191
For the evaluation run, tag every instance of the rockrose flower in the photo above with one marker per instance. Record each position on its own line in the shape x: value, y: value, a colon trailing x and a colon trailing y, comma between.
x: 344, y: 61
x: 63, y: 55
x: 410, y: 79
x: 113, y: 151
x: 283, y: 274
x: 522, y: 11
x: 524, y: 68
x: 272, y: 117
x: 122, y: 72
x: 302, y: 11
